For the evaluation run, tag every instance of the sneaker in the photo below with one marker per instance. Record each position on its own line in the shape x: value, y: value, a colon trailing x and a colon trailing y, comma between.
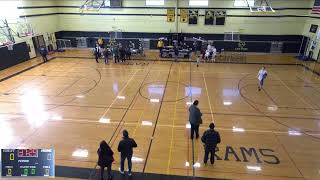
x: 121, y: 172
x: 129, y: 173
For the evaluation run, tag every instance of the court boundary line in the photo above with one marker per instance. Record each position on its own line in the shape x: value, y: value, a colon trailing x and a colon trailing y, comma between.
x: 173, y: 123
x: 184, y: 60
x: 205, y: 83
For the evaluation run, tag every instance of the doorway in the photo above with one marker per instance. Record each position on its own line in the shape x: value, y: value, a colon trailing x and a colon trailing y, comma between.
x: 38, y: 42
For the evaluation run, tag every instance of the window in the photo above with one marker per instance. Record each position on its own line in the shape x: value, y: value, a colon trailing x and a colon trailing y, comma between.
x: 9, y: 10
x: 243, y: 3
x: 198, y: 3
x: 107, y: 3
x: 154, y: 2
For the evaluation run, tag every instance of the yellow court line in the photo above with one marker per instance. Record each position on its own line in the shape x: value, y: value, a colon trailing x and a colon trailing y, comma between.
x: 107, y: 110
x: 139, y: 121
x: 173, y: 123
x: 205, y: 83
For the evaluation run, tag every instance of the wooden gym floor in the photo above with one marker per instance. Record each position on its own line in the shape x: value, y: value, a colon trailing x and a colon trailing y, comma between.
x: 71, y: 104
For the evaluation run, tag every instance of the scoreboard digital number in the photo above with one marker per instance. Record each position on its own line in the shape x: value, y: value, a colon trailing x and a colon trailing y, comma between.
x: 27, y: 163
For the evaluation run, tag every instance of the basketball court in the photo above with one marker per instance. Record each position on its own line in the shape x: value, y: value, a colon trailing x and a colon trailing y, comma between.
x: 73, y: 104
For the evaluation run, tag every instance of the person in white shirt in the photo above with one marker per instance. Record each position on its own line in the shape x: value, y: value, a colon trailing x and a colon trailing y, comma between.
x: 209, y: 47
x: 262, y: 75
x: 206, y: 56
x: 214, y: 53
x: 198, y: 61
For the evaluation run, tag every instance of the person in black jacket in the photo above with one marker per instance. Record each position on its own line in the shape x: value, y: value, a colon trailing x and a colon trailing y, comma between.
x: 125, y: 147
x: 44, y: 53
x: 128, y: 53
x: 122, y: 54
x: 176, y: 52
x: 195, y: 119
x: 210, y: 139
x: 105, y: 158
x: 106, y: 54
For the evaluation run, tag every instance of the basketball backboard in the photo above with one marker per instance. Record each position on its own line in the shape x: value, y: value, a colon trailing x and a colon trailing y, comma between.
x: 261, y: 7
x: 93, y: 5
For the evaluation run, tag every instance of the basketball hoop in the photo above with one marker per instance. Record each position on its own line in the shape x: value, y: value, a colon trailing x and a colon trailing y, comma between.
x: 262, y: 9
x: 9, y: 45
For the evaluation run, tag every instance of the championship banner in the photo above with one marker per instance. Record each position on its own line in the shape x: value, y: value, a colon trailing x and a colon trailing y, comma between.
x: 171, y: 15
x: 220, y: 17
x: 193, y: 16
x: 209, y: 17
x: 183, y: 15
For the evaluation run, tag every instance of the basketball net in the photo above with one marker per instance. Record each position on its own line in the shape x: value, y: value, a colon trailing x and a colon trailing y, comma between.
x: 9, y: 45
x: 86, y: 9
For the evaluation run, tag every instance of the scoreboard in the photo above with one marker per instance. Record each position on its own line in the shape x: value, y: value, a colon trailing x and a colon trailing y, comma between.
x: 27, y: 163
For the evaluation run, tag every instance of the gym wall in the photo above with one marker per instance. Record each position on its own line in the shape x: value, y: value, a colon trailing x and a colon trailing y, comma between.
x: 313, y: 19
x: 289, y: 19
x: 43, y: 22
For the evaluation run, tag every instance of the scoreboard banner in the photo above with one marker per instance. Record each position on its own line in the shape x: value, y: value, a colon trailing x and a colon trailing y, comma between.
x: 171, y: 15
x: 27, y: 163
x: 183, y: 15
x: 193, y: 16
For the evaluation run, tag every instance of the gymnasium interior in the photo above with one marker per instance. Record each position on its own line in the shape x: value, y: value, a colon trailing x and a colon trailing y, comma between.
x: 62, y: 91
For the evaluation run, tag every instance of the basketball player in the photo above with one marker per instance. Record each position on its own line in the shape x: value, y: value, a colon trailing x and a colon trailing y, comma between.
x: 214, y: 53
x: 97, y: 52
x: 44, y: 53
x: 198, y: 61
x: 262, y: 75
